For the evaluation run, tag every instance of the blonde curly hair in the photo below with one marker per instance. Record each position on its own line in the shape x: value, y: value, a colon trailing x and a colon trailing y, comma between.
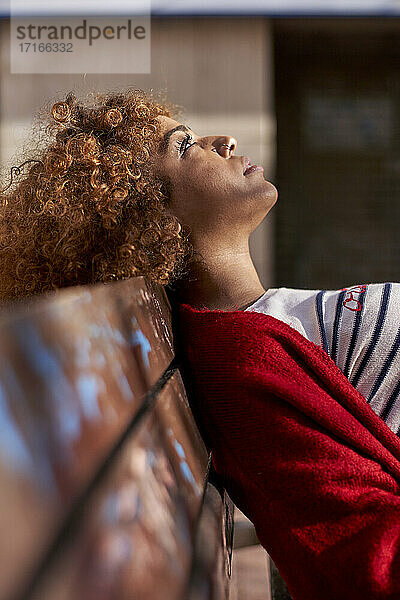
x: 90, y: 208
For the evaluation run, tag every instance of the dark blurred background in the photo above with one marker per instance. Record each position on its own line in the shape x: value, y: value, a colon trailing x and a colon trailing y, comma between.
x: 337, y: 88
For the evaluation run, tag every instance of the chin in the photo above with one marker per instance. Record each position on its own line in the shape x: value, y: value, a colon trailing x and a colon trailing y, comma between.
x: 272, y: 194
x: 267, y: 197
x: 259, y: 206
x: 254, y: 204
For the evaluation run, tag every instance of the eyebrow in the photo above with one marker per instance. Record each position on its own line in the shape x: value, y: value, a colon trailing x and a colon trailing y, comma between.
x: 170, y: 132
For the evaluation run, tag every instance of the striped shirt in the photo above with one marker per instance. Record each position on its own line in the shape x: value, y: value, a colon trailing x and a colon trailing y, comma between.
x: 359, y: 327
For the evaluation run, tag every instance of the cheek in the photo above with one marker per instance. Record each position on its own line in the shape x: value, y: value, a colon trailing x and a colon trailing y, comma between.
x: 210, y: 181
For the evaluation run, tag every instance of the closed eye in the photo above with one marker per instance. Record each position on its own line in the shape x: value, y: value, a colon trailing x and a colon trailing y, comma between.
x: 184, y: 145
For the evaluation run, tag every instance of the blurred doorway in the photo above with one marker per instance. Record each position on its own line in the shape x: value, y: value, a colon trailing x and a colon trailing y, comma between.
x: 337, y: 86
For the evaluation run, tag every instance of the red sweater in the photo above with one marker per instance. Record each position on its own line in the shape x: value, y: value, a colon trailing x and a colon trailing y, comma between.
x: 300, y: 452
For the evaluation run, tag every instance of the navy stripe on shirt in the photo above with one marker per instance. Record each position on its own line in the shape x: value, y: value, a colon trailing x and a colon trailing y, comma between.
x: 354, y: 336
x: 376, y: 334
x: 338, y: 318
x: 386, y: 367
x: 389, y: 405
x: 320, y: 315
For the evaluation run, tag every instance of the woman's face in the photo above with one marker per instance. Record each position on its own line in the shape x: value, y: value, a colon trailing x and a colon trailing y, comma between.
x: 210, y: 188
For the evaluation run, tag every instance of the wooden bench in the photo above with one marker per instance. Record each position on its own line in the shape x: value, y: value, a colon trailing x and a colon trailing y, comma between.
x: 104, y: 478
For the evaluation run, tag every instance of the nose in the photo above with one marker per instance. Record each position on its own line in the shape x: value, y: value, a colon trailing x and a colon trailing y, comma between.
x: 225, y: 146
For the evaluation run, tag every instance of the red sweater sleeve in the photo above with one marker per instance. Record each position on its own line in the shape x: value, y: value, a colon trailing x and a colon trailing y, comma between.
x: 300, y: 452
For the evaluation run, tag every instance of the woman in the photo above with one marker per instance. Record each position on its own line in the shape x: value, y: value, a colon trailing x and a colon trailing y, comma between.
x: 125, y: 190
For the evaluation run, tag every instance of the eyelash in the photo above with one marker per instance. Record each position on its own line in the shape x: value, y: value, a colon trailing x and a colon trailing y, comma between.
x: 183, y: 144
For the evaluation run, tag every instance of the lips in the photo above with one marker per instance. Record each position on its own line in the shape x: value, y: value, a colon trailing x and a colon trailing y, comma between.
x: 248, y: 167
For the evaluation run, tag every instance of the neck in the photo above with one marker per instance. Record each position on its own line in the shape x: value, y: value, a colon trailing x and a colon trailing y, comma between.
x: 222, y: 279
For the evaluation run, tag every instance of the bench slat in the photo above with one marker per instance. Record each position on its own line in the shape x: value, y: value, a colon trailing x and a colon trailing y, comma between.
x: 134, y: 538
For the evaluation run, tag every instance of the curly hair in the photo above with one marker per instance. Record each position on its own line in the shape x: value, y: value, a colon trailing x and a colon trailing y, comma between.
x: 89, y: 208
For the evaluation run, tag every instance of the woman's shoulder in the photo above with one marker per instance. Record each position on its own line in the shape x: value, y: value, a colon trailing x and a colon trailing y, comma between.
x: 323, y: 315
x: 351, y: 296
